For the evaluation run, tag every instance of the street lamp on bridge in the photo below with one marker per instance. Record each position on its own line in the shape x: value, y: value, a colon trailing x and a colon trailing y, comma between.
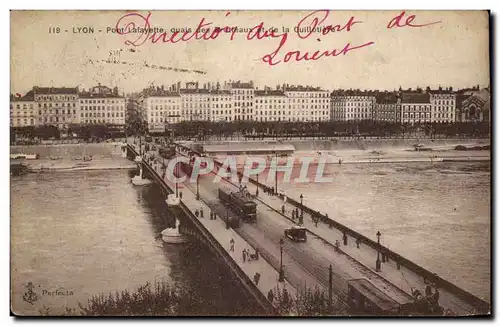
x: 281, y: 272
x: 197, y: 188
x: 301, y: 205
x: 378, y: 263
x: 257, y: 191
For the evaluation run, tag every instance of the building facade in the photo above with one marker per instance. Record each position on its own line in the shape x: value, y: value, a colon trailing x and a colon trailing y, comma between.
x: 23, y: 110
x: 271, y: 105
x: 195, y: 103
x: 306, y: 103
x: 474, y: 106
x: 387, y: 108
x: 221, y: 105
x: 443, y: 105
x: 243, y: 100
x: 57, y: 106
x: 415, y: 108
x: 352, y: 105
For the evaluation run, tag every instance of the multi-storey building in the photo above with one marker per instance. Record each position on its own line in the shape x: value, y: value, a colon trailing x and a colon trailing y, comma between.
x: 271, y: 105
x: 57, y: 106
x: 307, y: 103
x: 415, y: 107
x: 443, y: 105
x: 243, y: 100
x: 387, y: 107
x: 352, y: 105
x: 221, y: 105
x: 102, y: 105
x: 23, y: 110
x: 195, y: 103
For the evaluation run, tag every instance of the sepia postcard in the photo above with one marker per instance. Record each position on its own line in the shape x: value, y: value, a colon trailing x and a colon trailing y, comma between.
x: 250, y: 163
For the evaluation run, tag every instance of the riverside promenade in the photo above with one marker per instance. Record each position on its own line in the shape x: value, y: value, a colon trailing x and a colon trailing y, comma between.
x: 268, y: 279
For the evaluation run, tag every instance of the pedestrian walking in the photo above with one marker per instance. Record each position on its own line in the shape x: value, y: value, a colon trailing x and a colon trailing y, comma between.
x: 270, y: 296
x: 344, y: 236
x: 244, y: 254
x: 283, y: 209
x: 196, y: 213
x: 358, y: 242
x: 256, y: 278
x: 231, y: 245
x: 201, y: 212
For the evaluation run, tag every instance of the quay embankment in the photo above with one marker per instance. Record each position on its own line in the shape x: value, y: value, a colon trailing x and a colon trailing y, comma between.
x: 73, y: 157
x: 350, y: 143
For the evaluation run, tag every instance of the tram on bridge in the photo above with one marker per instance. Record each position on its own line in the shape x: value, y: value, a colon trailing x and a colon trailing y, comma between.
x: 239, y: 202
x: 364, y: 298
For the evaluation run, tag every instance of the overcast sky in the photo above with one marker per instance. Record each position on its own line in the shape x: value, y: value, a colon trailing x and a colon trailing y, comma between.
x: 453, y: 52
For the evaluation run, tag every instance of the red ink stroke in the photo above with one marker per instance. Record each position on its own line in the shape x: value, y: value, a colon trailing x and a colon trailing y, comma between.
x: 133, y: 21
x: 397, y: 21
x: 308, y: 56
x: 313, y: 21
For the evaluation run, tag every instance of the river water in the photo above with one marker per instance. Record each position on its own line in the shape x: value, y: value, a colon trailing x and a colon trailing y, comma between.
x: 435, y: 214
x: 88, y: 232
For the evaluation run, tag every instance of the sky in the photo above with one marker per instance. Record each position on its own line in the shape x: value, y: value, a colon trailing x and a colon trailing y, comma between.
x: 454, y: 51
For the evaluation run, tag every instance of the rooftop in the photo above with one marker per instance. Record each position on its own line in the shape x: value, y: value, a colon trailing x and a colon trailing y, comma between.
x: 239, y: 84
x: 99, y: 95
x: 55, y: 90
x: 203, y: 91
x: 387, y: 98
x: 415, y: 97
x: 269, y: 93
x: 300, y: 88
x: 354, y: 92
x: 27, y: 97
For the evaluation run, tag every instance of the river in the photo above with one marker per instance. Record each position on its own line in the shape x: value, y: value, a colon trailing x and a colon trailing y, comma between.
x: 79, y: 234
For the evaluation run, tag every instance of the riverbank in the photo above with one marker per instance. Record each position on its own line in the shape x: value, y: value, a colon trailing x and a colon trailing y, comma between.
x: 70, y: 150
x: 348, y: 143
x: 69, y: 157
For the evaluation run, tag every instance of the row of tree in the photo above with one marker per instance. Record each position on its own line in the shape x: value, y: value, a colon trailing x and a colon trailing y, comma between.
x: 254, y: 129
x: 163, y: 299
x: 368, y: 128
x: 86, y: 132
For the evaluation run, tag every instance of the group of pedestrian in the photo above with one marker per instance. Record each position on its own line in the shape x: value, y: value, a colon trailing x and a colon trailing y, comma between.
x: 270, y: 191
x: 247, y: 256
x: 199, y: 213
x: 213, y: 216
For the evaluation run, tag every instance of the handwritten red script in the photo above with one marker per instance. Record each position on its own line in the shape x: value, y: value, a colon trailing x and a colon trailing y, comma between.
x: 139, y: 30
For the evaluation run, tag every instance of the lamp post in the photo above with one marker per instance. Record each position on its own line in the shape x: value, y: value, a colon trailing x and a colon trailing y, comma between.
x: 197, y: 188
x: 176, y: 181
x: 257, y: 191
x: 378, y: 263
x: 301, y: 205
x: 281, y: 272
x: 276, y: 173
